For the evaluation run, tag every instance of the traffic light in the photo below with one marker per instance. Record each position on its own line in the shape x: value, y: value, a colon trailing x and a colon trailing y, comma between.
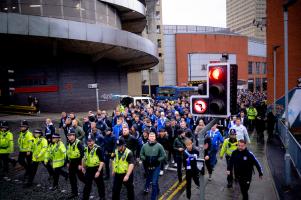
x: 216, y: 103
x: 218, y: 78
x: 233, y: 89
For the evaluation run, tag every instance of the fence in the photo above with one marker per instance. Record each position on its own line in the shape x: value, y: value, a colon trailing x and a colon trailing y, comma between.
x: 294, y: 148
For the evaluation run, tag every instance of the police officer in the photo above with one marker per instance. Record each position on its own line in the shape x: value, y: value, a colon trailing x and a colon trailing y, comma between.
x: 38, y: 155
x: 25, y: 142
x: 229, y: 145
x: 242, y: 160
x: 252, y: 114
x: 123, y: 166
x: 6, y: 146
x: 92, y: 168
x: 75, y: 153
x: 57, y: 156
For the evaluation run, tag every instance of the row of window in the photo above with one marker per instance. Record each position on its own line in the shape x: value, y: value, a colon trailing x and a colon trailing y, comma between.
x: 257, y: 67
x: 260, y: 84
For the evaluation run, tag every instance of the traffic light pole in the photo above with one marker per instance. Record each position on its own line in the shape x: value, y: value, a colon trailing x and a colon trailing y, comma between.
x: 201, y: 143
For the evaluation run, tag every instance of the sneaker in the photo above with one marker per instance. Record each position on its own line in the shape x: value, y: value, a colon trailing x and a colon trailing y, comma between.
x: 166, y: 166
x: 175, y: 165
x: 146, y: 190
x: 173, y: 162
x: 161, y: 172
x: 53, y: 188
x: 210, y: 177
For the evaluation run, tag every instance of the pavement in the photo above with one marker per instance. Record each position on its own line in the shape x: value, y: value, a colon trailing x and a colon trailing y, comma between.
x: 275, y: 157
x: 217, y: 188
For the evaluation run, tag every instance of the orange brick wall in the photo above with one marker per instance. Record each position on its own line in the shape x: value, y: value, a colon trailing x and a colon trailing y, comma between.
x: 210, y: 43
x: 275, y: 36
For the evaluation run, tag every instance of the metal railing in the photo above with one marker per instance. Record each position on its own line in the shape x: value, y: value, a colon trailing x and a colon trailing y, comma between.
x: 294, y: 148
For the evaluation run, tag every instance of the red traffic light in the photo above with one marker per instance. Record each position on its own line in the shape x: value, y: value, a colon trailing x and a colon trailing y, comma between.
x: 200, y: 106
x: 216, y: 73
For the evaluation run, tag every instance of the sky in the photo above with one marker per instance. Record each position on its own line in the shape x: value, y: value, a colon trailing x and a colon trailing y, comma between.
x: 194, y: 12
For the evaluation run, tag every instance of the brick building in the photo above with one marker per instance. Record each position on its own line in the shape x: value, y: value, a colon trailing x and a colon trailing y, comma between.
x: 275, y: 37
x: 189, y: 48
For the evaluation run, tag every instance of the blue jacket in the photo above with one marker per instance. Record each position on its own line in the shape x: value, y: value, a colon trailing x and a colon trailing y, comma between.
x: 216, y: 138
x: 109, y: 143
x: 116, y: 130
x: 161, y: 123
x: 99, y: 139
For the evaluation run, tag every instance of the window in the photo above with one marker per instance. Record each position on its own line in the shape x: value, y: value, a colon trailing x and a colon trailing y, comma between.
x: 250, y: 68
x: 264, y: 84
x: 160, y: 55
x: 158, y: 15
x: 159, y: 43
x: 257, y: 67
x: 264, y: 68
x: 204, y: 67
x: 258, y: 84
x: 251, y: 85
x: 158, y: 29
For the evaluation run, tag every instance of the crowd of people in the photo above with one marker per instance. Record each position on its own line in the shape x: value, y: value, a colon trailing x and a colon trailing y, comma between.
x: 157, y: 136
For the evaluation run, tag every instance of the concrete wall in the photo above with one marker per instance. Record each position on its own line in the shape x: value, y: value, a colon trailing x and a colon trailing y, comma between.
x: 72, y: 75
x: 134, y: 83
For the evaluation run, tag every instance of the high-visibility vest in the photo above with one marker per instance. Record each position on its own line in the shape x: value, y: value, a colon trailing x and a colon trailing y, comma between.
x: 58, y: 154
x: 72, y: 150
x: 25, y: 141
x: 228, y: 147
x: 251, y: 112
x: 121, y: 165
x: 39, y: 151
x: 91, y: 158
x: 6, y: 142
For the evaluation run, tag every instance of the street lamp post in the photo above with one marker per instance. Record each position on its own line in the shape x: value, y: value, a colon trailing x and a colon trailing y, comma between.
x: 287, y: 154
x: 275, y: 70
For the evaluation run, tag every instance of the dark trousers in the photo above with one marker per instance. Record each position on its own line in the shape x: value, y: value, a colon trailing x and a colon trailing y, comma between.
x: 191, y: 174
x: 180, y: 163
x: 244, y: 184
x: 25, y: 161
x: 107, y: 164
x: 118, y: 181
x: 209, y: 166
x: 230, y: 176
x: 34, y: 169
x: 89, y: 177
x: 251, y: 125
x: 73, y: 172
x: 4, y: 160
x: 56, y: 175
x: 153, y: 178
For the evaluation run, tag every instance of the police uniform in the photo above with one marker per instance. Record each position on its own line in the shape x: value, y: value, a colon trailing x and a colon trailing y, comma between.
x: 39, y: 152
x: 25, y: 142
x: 6, y: 145
x: 93, y: 157
x: 121, y: 164
x: 75, y: 153
x: 228, y: 147
x: 57, y: 156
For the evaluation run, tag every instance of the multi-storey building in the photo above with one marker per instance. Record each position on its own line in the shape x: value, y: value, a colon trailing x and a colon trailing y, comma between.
x: 52, y: 49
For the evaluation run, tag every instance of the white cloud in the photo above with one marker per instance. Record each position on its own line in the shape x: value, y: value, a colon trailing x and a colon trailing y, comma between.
x: 194, y: 12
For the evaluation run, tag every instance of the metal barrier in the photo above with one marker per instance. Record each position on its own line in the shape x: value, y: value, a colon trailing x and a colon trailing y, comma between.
x: 294, y: 148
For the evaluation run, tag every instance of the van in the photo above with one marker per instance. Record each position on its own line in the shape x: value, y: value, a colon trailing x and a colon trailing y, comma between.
x: 135, y: 100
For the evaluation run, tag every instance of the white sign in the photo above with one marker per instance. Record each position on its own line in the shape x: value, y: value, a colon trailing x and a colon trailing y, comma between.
x: 93, y: 86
